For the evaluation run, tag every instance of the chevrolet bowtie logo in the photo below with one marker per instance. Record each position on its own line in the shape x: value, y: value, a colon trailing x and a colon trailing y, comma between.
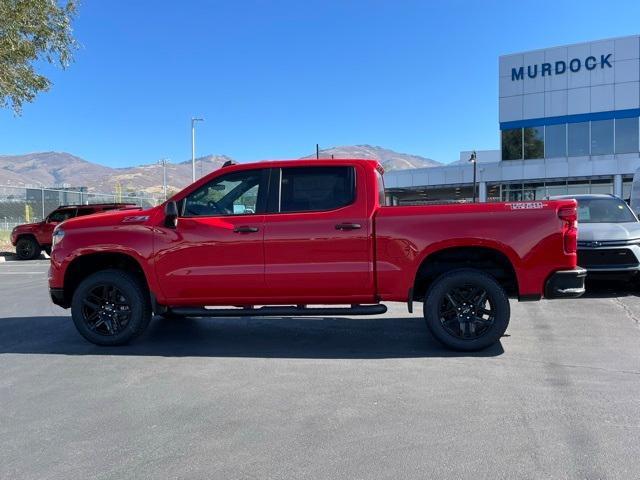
x: 594, y: 244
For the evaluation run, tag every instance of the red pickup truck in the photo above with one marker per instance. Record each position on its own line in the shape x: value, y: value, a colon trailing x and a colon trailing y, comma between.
x: 31, y: 238
x: 303, y: 237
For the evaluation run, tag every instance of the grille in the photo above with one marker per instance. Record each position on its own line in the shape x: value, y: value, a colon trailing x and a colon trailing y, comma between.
x: 605, y: 257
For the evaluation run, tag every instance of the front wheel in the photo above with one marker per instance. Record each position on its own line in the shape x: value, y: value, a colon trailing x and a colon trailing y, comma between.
x: 27, y: 248
x: 110, y: 307
x: 467, y: 310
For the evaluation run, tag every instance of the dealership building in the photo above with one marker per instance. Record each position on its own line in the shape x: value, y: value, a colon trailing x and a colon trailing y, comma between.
x: 568, y: 124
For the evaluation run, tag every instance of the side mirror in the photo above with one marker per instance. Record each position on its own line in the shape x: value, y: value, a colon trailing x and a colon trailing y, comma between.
x: 171, y: 215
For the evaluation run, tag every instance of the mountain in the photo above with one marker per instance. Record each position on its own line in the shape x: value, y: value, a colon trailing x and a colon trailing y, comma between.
x: 59, y: 169
x: 389, y: 159
x: 148, y: 178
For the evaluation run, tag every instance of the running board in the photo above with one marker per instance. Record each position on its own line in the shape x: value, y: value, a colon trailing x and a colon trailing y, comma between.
x: 278, y: 311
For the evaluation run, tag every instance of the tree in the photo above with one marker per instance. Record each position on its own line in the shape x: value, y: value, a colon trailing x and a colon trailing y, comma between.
x: 32, y: 31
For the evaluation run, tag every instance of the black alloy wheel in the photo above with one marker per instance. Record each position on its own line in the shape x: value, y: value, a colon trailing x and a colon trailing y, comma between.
x: 27, y: 248
x: 466, y: 309
x: 111, y: 307
x: 106, y: 310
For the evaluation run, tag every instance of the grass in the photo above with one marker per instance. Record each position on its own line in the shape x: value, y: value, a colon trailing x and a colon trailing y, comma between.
x: 5, y: 243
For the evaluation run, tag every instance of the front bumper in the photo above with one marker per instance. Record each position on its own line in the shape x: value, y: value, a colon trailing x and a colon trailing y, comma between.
x: 57, y: 297
x: 610, y: 257
x: 566, y: 283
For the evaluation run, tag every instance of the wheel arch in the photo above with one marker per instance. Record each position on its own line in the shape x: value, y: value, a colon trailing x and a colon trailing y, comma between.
x: 84, y: 265
x: 480, y: 257
x: 32, y: 235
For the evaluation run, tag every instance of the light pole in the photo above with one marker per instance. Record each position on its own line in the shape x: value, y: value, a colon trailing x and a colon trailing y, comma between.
x: 473, y: 160
x: 193, y: 146
x: 164, y: 162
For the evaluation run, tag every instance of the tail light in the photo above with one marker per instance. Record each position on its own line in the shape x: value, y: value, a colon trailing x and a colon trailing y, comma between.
x: 569, y: 215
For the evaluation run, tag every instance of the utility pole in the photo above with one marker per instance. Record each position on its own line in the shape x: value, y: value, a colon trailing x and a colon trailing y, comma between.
x: 473, y: 159
x: 317, y: 151
x: 164, y: 162
x: 193, y: 146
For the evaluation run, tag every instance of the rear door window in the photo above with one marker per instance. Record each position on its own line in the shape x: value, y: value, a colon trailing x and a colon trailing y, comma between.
x: 309, y: 189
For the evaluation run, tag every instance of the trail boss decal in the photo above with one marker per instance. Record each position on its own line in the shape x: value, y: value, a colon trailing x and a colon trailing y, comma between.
x: 527, y: 205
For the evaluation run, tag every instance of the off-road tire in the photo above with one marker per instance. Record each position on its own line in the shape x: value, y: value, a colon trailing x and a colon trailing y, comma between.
x: 131, y: 288
x: 461, y: 279
x: 27, y: 248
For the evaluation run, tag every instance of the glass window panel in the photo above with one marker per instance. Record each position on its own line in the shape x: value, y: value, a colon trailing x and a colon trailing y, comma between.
x: 626, y: 188
x: 604, y: 210
x: 555, y: 139
x: 493, y: 193
x: 233, y: 194
x: 512, y: 144
x: 601, y: 187
x: 556, y: 188
x: 533, y: 142
x: 514, y: 196
x: 534, y: 191
x: 578, y: 188
x: 305, y: 189
x: 602, y: 137
x: 627, y: 135
x: 578, y: 136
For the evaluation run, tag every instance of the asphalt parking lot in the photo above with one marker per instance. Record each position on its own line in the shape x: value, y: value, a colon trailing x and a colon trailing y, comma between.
x: 319, y: 398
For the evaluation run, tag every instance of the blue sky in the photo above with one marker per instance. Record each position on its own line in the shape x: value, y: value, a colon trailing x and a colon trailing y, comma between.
x: 273, y: 78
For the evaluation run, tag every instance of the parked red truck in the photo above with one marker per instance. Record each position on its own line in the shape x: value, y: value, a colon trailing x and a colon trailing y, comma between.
x: 274, y: 238
x: 31, y: 238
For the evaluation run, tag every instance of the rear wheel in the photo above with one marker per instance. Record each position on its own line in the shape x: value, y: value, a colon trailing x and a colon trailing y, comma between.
x: 467, y: 310
x: 110, y: 308
x: 27, y: 248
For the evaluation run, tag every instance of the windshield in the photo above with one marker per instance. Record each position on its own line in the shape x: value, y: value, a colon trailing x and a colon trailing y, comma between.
x: 604, y: 210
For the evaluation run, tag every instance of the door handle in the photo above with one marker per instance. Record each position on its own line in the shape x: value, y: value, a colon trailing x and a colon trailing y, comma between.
x: 348, y: 226
x: 245, y: 229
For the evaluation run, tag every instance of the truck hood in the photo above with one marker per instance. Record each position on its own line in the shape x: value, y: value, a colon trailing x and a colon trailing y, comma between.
x: 112, y: 217
x: 608, y: 231
x: 27, y: 227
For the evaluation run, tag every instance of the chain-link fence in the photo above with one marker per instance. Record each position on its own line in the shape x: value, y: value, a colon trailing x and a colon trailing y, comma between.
x: 20, y: 205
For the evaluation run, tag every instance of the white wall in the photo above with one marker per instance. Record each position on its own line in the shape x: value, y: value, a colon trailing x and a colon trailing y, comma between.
x: 515, y: 170
x: 584, y: 91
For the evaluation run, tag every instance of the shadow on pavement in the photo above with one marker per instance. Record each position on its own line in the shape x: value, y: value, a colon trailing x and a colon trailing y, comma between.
x: 240, y: 337
x: 602, y: 287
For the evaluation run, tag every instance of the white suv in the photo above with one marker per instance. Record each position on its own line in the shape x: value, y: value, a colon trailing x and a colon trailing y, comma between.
x: 608, y: 234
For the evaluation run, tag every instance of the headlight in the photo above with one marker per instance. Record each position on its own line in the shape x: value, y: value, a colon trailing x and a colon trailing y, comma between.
x: 58, y: 235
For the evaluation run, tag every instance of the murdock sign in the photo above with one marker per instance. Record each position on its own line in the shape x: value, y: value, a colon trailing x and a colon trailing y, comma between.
x: 560, y: 67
